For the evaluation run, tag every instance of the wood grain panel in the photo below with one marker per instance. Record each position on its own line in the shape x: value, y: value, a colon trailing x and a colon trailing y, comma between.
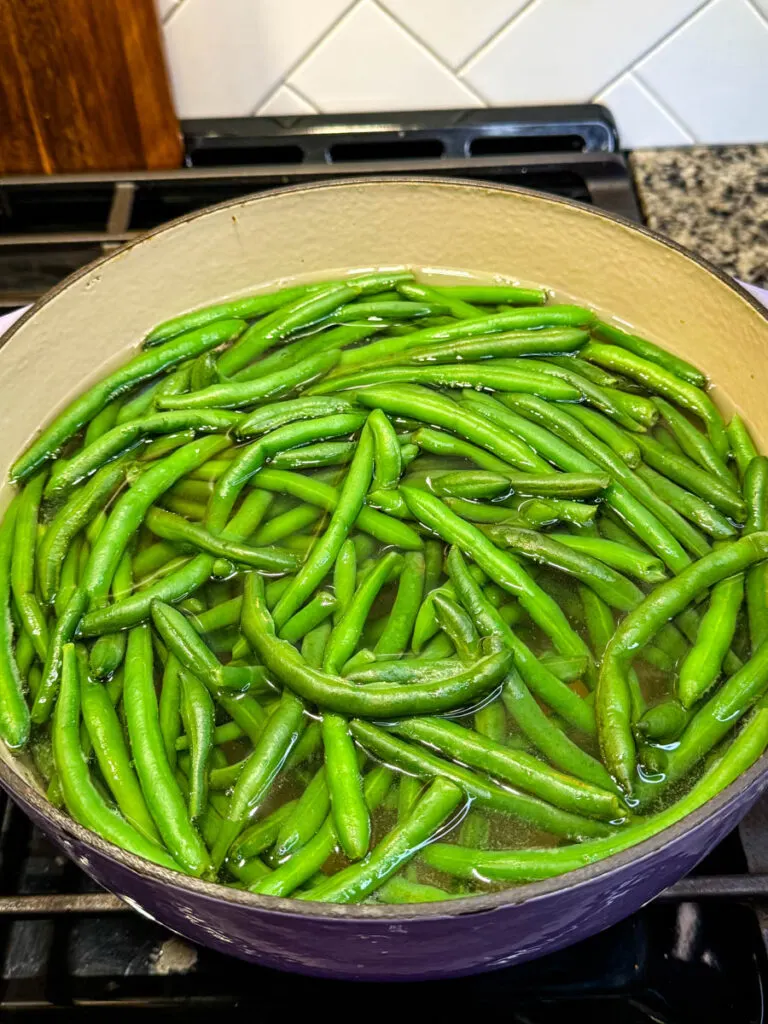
x: 83, y: 87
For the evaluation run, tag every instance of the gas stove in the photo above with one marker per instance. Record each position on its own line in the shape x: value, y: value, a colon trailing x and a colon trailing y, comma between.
x: 698, y: 953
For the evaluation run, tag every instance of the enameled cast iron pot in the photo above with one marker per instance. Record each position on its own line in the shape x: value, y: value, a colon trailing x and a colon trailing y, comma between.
x: 96, y: 317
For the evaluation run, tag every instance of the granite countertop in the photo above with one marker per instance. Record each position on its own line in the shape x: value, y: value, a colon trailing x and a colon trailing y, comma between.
x: 711, y: 199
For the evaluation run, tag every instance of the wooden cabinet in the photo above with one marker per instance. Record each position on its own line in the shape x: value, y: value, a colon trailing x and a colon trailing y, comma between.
x: 83, y: 87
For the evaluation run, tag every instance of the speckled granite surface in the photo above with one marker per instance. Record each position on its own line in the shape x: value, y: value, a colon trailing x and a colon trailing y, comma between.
x: 712, y: 199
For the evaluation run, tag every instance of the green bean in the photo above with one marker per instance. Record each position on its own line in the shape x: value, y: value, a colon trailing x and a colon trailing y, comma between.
x: 62, y: 633
x: 546, y: 316
x: 359, y: 880
x: 280, y: 414
x: 668, y: 600
x: 566, y: 457
x: 169, y: 709
x: 197, y: 714
x: 690, y: 476
x: 161, y: 791
x: 106, y: 736
x: 130, y: 509
x: 400, y: 891
x: 350, y: 502
x: 541, y: 679
x: 622, y: 443
x: 260, y: 769
x: 637, y: 406
x: 756, y: 590
x: 491, y: 721
x: 301, y: 825
x: 544, y: 512
x: 246, y: 308
x: 664, y: 530
x: 323, y: 340
x: 108, y: 651
x: 387, y: 460
x: 483, y: 484
x: 193, y: 654
x: 175, y: 528
x: 375, y: 700
x: 103, y: 421
x: 689, y: 505
x: 455, y: 305
x: 420, y: 403
x: 665, y: 438
x: 494, y: 294
x: 647, y: 350
x: 184, y: 580
x: 507, y: 344
x: 439, y: 442
x: 349, y: 810
x: 142, y: 367
x: 693, y: 443
x: 467, y: 375
x: 642, y: 566
x: 479, y: 512
x: 567, y: 670
x: 665, y: 383
x: 311, y: 857
x: 703, y: 664
x: 346, y: 632
x: 82, y: 798
x: 410, y: 590
x: 253, y: 457
x: 405, y: 670
x: 458, y: 626
x: 289, y: 524
x: 314, y: 305
x: 480, y: 790
x: 663, y: 722
x: 14, y: 713
x: 262, y: 834
x: 23, y: 564
x: 594, y: 373
x: 522, y: 770
x: 599, y: 620
x: 163, y: 446
x: 327, y: 453
x: 309, y: 617
x: 387, y: 309
x: 742, y: 445
x: 616, y: 590
x: 238, y: 394
x: 125, y: 436
x: 69, y: 575
x: 501, y: 567
x: 530, y: 865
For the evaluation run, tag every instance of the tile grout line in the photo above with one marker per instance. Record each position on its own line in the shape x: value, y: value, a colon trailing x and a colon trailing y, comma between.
x: 480, y: 50
x: 657, y: 43
x: 290, y: 88
x: 662, y: 104
x: 425, y: 46
x: 283, y: 80
x: 762, y: 16
x: 176, y: 7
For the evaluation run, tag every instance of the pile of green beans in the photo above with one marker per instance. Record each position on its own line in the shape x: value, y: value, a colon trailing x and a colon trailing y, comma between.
x: 378, y: 589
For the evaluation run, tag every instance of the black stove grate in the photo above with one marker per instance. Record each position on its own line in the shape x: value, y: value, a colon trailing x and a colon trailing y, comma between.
x: 68, y: 948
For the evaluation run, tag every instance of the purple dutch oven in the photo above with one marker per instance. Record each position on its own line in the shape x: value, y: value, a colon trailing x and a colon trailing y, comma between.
x: 90, y: 323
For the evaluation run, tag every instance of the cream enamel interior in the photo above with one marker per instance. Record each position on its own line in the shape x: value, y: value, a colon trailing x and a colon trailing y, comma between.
x: 97, y: 319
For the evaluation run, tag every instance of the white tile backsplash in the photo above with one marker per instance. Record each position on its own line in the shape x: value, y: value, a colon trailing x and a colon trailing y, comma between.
x: 713, y: 72
x: 454, y: 29
x: 642, y: 120
x: 563, y: 49
x: 672, y: 71
x: 369, y: 56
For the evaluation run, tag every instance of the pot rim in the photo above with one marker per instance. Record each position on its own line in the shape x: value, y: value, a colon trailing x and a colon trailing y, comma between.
x: 502, y: 899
